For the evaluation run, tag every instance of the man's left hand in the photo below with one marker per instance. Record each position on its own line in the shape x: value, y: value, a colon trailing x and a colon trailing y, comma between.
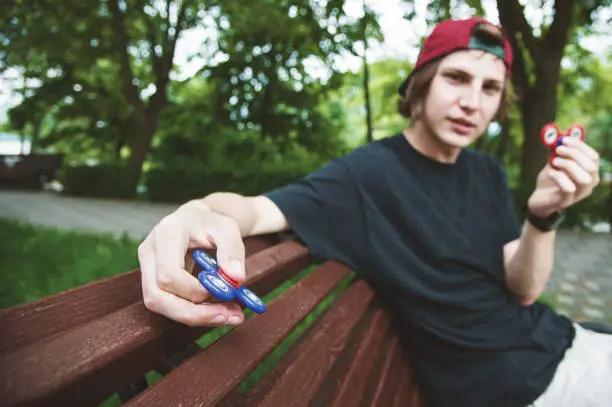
x: 574, y: 175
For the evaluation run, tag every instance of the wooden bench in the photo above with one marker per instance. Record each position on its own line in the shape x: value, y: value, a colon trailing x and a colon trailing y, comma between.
x: 29, y: 171
x: 82, y: 346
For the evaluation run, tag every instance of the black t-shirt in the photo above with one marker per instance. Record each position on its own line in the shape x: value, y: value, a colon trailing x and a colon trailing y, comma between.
x: 429, y: 237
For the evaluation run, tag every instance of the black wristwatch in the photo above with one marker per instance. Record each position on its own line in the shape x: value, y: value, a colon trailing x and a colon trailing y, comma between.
x: 547, y: 224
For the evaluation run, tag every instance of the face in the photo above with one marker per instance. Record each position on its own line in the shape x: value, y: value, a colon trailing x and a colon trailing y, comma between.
x: 463, y: 98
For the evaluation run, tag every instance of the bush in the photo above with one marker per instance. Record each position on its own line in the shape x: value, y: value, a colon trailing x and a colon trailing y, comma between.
x: 195, y: 180
x: 100, y: 181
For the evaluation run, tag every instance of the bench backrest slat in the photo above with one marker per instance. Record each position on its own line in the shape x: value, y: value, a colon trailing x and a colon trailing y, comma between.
x: 88, y: 363
x: 206, y: 378
x: 29, y: 323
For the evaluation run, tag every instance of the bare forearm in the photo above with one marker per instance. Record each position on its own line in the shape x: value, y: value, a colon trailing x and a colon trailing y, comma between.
x: 255, y: 215
x: 529, y: 269
x: 234, y: 206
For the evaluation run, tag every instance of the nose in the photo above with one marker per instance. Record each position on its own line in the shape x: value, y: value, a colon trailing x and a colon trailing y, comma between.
x: 470, y: 99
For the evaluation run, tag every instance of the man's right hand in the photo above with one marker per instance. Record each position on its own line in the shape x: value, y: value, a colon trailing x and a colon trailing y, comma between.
x: 168, y: 288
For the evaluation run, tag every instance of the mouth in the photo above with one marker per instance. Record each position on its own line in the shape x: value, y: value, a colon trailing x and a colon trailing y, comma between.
x: 462, y: 126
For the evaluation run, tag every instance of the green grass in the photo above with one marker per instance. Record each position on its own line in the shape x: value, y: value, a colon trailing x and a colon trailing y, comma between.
x: 39, y: 261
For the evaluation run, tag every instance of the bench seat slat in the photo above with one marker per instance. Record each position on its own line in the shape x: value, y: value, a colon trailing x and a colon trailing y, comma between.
x: 386, y: 382
x: 407, y: 393
x: 89, y: 363
x: 351, y: 385
x: 318, y: 352
x: 402, y: 396
x: 206, y: 378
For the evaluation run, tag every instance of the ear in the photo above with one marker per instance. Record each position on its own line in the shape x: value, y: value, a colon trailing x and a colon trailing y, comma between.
x: 416, y: 109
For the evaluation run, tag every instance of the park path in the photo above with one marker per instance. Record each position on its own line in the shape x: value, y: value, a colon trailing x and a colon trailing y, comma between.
x: 581, y: 283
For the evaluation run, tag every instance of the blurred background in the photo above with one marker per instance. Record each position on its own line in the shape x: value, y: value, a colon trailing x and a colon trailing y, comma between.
x: 113, y: 112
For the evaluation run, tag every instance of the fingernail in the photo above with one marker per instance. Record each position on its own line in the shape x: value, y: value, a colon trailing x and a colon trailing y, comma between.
x: 237, y: 267
x: 218, y: 319
x: 234, y: 320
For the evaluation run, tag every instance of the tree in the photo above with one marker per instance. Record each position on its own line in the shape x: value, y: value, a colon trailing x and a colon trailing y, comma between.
x: 133, y: 40
x: 266, y: 82
x: 161, y: 28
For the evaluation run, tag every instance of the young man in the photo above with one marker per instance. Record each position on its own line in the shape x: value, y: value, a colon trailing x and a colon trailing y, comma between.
x: 431, y: 225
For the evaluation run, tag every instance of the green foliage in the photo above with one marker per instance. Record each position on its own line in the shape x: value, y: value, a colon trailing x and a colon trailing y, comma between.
x: 264, y: 83
x: 39, y: 261
x: 245, y: 166
x: 101, y: 181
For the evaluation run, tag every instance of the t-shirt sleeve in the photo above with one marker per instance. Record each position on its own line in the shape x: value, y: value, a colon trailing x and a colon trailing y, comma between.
x: 323, y: 209
x: 511, y: 227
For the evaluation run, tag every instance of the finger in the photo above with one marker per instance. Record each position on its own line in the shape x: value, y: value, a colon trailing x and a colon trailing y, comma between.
x: 146, y: 258
x: 230, y: 248
x: 177, y: 308
x: 579, y: 156
x: 582, y: 146
x: 170, y: 245
x: 188, y: 313
x: 179, y: 282
x: 575, y: 172
x: 563, y: 181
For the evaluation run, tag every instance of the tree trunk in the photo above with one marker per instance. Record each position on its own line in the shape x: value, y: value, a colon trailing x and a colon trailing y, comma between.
x: 36, y: 129
x: 147, y: 115
x: 537, y: 99
x: 140, y: 146
x: 538, y: 108
x: 366, y: 76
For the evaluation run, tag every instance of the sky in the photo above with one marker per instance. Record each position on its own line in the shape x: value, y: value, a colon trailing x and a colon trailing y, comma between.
x: 401, y: 36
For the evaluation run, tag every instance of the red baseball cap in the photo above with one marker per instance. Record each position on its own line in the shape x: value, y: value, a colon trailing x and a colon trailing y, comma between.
x: 454, y: 35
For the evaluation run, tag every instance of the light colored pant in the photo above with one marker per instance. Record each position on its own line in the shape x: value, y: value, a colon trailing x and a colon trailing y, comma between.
x: 584, y: 377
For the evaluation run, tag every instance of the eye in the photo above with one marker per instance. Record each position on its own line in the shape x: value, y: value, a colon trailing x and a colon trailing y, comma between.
x: 492, y: 88
x: 454, y: 77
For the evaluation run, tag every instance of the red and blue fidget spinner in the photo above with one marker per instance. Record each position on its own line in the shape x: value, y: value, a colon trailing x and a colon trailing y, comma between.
x: 552, y: 137
x: 222, y: 286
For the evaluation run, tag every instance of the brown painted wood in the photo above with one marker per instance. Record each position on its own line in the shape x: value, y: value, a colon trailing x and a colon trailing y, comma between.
x: 90, y: 362
x: 408, y: 392
x: 25, y: 324
x: 350, y: 386
x: 205, y: 379
x: 319, y: 351
x: 402, y: 396
x: 388, y: 380
x: 377, y: 372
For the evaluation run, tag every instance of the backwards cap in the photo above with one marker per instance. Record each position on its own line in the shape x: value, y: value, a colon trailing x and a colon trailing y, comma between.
x: 453, y: 35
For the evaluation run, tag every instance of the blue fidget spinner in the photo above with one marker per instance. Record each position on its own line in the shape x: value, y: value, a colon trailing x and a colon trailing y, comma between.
x: 222, y: 286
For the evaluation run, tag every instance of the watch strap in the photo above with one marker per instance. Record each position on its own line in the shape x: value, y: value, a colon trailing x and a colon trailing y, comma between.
x: 548, y: 223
